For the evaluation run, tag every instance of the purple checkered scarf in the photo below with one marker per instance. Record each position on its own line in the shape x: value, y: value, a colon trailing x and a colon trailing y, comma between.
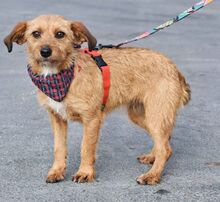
x: 54, y: 86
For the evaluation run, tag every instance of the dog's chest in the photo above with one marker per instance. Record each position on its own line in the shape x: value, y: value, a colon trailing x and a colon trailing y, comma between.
x: 58, y: 107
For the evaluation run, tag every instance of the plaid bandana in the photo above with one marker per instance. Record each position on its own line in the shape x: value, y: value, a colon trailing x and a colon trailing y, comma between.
x: 55, y: 86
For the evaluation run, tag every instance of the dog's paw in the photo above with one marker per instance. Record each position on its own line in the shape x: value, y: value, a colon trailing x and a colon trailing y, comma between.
x: 149, y: 179
x: 55, y: 175
x: 84, y: 175
x: 146, y: 158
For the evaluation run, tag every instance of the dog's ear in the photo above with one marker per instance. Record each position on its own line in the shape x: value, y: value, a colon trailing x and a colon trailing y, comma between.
x: 82, y: 34
x: 16, y: 35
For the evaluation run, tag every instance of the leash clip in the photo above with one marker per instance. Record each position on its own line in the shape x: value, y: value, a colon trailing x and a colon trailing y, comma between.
x: 100, y: 46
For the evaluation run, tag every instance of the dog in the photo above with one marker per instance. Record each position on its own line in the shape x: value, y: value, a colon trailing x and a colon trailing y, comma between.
x: 146, y: 82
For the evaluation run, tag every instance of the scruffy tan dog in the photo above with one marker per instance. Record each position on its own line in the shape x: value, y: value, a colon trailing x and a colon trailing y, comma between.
x: 146, y: 82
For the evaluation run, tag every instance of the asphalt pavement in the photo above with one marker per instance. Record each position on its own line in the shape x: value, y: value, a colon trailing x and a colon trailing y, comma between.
x: 26, y: 141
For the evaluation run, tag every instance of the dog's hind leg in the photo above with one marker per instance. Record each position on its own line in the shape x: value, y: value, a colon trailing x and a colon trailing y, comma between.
x: 59, y: 126
x: 160, y: 107
x: 160, y: 154
x: 136, y: 113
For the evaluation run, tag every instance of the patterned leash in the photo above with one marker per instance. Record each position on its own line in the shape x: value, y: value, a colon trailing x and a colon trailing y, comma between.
x: 181, y: 16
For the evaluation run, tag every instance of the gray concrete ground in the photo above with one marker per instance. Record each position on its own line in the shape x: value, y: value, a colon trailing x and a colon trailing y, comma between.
x: 193, y: 172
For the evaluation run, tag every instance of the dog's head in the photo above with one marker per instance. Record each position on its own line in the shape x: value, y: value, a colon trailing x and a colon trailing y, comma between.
x: 50, y: 39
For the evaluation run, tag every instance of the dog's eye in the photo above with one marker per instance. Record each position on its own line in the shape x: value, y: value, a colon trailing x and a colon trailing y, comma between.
x: 36, y: 34
x: 59, y: 35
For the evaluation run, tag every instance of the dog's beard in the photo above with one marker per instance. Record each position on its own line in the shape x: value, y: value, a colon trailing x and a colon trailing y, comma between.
x: 48, y: 68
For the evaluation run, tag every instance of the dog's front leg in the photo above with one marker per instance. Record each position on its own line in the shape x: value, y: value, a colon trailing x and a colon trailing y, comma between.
x: 86, y: 172
x: 59, y: 126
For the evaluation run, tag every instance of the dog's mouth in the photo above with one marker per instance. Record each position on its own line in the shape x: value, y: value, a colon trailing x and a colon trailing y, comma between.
x: 48, y: 62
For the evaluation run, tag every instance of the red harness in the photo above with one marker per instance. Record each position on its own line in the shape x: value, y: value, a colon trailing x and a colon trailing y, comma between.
x: 105, y: 69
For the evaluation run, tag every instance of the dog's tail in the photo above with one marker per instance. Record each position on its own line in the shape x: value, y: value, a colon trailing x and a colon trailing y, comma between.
x: 186, y: 92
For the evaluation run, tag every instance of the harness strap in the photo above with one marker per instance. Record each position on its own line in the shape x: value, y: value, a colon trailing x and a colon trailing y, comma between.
x: 105, y: 69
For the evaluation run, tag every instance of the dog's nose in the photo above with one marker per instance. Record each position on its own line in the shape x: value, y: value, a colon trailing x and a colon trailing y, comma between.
x: 46, y: 52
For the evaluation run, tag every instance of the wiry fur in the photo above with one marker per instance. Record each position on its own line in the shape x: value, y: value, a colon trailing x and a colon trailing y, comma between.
x: 147, y: 82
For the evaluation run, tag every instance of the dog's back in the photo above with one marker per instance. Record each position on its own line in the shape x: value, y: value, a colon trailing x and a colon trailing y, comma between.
x: 137, y: 71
